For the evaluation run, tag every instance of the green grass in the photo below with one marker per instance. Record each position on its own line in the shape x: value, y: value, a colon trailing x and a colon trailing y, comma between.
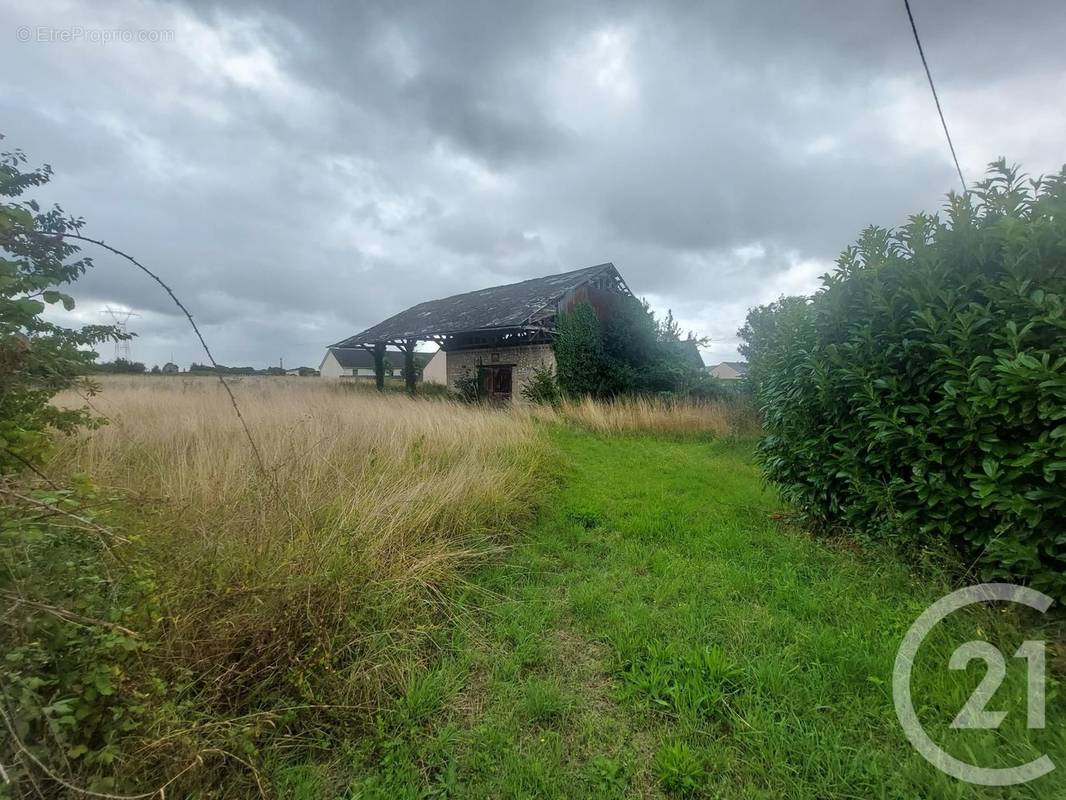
x: 661, y: 632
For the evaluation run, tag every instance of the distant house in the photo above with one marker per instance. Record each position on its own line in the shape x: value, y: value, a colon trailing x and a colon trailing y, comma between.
x: 730, y: 370
x: 357, y: 362
x: 499, y: 336
x: 436, y: 371
x: 170, y: 368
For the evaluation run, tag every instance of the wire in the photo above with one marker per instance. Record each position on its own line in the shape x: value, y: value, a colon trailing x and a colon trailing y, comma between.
x: 936, y: 99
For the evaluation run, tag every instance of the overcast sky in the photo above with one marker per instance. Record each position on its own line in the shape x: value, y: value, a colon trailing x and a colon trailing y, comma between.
x: 300, y: 171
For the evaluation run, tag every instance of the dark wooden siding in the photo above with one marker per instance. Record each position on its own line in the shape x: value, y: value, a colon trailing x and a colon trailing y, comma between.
x: 603, y: 302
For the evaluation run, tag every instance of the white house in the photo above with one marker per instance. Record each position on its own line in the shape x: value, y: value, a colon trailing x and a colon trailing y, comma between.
x: 357, y: 362
x: 436, y: 371
x: 730, y: 370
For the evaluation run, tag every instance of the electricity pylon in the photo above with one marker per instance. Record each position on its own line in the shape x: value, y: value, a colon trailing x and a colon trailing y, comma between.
x: 121, y: 319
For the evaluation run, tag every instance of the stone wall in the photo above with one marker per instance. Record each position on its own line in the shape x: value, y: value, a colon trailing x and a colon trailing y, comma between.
x: 525, y: 358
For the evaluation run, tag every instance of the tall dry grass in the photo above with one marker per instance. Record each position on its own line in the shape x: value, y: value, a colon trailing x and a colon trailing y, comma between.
x: 726, y: 419
x: 320, y: 584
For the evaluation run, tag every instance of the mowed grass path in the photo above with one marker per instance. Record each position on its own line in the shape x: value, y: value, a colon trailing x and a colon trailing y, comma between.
x: 661, y: 632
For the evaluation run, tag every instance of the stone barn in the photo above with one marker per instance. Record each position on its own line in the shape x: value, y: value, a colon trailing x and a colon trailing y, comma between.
x: 499, y: 336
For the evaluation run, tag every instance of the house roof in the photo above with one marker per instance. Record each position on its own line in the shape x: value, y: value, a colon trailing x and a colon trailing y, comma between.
x: 740, y: 366
x: 513, y: 305
x: 360, y: 358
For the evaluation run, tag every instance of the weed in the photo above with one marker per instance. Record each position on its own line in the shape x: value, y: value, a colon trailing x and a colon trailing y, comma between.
x: 543, y: 701
x: 689, y: 683
x: 426, y: 693
x: 608, y: 775
x: 679, y: 769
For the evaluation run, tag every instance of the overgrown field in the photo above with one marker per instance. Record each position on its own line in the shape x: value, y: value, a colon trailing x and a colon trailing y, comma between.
x: 425, y: 599
x: 269, y: 609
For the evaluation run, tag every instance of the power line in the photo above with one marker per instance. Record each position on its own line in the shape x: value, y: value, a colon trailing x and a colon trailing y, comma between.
x: 936, y: 99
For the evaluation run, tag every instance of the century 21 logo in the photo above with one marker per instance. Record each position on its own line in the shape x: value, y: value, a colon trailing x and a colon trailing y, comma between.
x: 974, y: 714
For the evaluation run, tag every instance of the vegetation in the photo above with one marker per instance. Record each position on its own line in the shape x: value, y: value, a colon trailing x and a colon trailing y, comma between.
x: 37, y: 357
x: 631, y: 353
x: 664, y: 630
x: 62, y: 634
x: 768, y: 329
x: 921, y: 394
x: 207, y: 369
x: 368, y: 606
x: 257, y: 613
x: 661, y: 629
x: 669, y: 417
x: 543, y: 387
x: 468, y: 388
x: 121, y: 366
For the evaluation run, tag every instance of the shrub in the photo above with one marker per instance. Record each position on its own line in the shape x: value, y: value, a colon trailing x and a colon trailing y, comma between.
x: 67, y: 605
x: 542, y: 388
x: 766, y: 328
x: 468, y: 388
x: 921, y: 394
x: 69, y: 676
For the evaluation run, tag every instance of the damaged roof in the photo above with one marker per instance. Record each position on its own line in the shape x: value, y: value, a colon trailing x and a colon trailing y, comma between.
x: 510, y: 306
x: 359, y: 358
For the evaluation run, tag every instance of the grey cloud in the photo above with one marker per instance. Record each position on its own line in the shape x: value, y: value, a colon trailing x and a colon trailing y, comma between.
x: 298, y: 172
x: 498, y: 132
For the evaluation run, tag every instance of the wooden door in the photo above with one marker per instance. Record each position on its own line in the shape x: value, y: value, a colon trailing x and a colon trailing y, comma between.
x: 496, y: 382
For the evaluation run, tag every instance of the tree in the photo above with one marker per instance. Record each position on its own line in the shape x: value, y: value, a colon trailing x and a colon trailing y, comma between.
x: 767, y: 328
x: 38, y: 358
x: 120, y: 366
x: 629, y: 352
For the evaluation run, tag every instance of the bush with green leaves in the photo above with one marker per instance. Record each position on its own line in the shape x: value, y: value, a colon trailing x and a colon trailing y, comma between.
x: 921, y: 393
x: 628, y: 352
x: 65, y: 689
x: 120, y: 366
x: 71, y: 679
x: 542, y: 388
x: 37, y: 357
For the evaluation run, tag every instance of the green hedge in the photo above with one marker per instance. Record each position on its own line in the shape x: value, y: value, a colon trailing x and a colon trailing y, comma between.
x: 921, y: 393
